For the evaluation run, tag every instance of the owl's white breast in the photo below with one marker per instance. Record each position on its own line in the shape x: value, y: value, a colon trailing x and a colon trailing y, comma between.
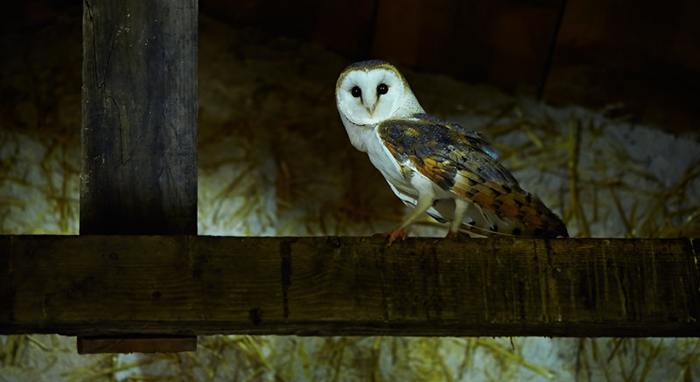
x: 384, y: 161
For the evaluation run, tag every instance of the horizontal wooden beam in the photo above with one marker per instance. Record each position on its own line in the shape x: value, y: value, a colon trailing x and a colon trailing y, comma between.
x: 195, y: 285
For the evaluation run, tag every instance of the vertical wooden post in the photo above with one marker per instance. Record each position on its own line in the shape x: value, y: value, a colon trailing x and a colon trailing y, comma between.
x: 139, y: 136
x: 139, y: 130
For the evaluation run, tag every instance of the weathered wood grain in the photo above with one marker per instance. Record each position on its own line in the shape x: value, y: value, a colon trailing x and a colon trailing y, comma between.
x: 139, y: 124
x: 189, y: 285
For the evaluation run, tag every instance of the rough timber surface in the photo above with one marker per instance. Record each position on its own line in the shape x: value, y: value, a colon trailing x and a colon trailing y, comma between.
x: 189, y: 285
x: 139, y: 135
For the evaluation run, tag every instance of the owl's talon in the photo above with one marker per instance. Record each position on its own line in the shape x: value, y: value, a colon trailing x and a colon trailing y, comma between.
x: 392, y: 236
x: 451, y: 235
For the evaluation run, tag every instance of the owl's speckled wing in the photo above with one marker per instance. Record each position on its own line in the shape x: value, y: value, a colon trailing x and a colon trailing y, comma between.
x: 462, y: 161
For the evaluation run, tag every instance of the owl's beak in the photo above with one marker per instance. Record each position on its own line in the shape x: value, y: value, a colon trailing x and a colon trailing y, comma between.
x: 370, y: 110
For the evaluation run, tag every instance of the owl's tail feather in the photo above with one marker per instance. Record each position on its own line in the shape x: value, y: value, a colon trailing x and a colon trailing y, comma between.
x: 522, y: 213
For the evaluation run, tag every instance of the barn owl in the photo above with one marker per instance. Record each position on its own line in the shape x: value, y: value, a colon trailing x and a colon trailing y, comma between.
x: 434, y: 166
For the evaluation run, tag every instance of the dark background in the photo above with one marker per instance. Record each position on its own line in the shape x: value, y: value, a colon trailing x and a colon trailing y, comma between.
x: 636, y: 58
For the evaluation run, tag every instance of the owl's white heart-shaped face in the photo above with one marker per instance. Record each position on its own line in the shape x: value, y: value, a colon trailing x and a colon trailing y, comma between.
x: 369, y: 94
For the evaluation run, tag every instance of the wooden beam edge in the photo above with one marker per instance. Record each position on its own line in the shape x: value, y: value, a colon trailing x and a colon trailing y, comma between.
x: 135, y: 344
x: 114, y: 330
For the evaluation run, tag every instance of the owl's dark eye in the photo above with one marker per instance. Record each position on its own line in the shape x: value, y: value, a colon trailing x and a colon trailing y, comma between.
x: 356, y: 92
x: 382, y: 89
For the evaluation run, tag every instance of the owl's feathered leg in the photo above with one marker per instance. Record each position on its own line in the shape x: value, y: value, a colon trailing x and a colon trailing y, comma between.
x: 460, y: 208
x: 426, y: 196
